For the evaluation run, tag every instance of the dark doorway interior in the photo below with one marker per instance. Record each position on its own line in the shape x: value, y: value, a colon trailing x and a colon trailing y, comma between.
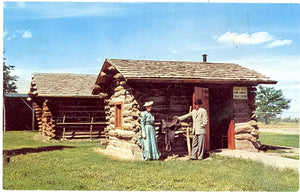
x: 220, y: 100
x: 18, y: 116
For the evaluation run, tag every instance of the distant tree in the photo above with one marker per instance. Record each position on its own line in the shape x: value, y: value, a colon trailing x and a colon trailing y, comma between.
x: 270, y: 102
x: 9, y: 81
x: 9, y: 86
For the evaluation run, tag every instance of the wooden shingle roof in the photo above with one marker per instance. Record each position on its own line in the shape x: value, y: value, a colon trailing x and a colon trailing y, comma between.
x: 64, y: 84
x: 185, y: 71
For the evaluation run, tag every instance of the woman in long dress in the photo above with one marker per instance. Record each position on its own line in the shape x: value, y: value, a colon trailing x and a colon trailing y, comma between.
x: 149, y: 145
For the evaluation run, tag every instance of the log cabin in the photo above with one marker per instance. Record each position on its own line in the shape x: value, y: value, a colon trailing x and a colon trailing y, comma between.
x: 64, y: 106
x: 226, y: 89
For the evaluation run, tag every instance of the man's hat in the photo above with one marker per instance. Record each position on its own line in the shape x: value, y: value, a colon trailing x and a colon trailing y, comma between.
x: 198, y: 102
x: 149, y: 103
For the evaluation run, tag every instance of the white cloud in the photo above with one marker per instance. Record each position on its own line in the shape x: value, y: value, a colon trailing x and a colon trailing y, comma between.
x: 5, y: 34
x: 294, y: 86
x: 17, y: 33
x: 279, y: 43
x: 21, y: 4
x: 27, y: 34
x: 284, y: 69
x: 244, y: 38
x: 173, y: 50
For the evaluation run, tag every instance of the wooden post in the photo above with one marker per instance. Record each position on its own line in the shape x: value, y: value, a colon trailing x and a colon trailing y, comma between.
x: 91, y: 128
x: 188, y: 140
x: 4, y: 115
x: 32, y: 120
x: 64, y: 129
x: 231, y: 135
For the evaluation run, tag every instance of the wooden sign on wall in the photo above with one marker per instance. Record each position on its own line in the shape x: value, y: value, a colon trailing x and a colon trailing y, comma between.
x: 240, y: 93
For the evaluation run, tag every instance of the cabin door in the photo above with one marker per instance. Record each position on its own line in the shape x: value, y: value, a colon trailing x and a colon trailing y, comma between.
x: 203, y: 94
x: 230, y: 133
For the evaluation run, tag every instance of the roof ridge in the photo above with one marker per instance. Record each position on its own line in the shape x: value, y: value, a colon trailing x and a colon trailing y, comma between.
x: 64, y: 73
x: 183, y: 61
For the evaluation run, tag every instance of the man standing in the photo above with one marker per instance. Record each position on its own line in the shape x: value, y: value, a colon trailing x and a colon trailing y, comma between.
x: 199, y: 116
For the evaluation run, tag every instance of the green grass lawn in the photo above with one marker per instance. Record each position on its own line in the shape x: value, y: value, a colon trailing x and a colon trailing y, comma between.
x: 281, y: 140
x: 58, y: 165
x: 275, y: 139
x: 274, y: 125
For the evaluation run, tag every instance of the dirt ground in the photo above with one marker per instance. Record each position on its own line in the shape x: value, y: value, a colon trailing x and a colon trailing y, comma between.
x: 266, y: 158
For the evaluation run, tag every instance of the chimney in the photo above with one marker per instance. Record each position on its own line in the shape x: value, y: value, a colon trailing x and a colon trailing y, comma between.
x: 204, y: 57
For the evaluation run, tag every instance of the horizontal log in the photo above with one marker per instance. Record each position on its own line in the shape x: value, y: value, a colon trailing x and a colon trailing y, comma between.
x: 83, y: 132
x: 254, y: 132
x: 87, y: 118
x: 245, y: 136
x: 103, y: 95
x: 118, y: 76
x: 157, y: 100
x: 122, y: 83
x: 244, y: 145
x: 79, y: 123
x: 81, y: 136
x: 243, y: 128
x: 110, y: 70
x: 75, y: 106
x: 80, y: 111
x: 119, y: 88
x: 253, y: 123
x: 127, y: 126
x: 120, y: 92
x: 102, y: 74
x: 122, y: 133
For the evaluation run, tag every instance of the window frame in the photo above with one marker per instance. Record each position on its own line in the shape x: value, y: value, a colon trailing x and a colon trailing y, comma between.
x: 118, y: 116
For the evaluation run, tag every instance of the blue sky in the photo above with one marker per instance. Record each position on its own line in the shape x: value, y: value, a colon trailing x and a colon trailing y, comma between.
x: 77, y: 37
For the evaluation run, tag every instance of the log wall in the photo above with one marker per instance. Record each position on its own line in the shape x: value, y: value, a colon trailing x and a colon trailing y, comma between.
x: 169, y: 100
x: 167, y: 104
x: 68, y: 117
x: 246, y: 129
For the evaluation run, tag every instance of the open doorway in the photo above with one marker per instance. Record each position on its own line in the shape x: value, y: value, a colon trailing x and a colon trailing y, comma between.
x: 220, y: 100
x: 203, y: 94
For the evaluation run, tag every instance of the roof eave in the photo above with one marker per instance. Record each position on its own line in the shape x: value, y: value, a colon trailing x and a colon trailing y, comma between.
x: 207, y: 81
x: 69, y: 96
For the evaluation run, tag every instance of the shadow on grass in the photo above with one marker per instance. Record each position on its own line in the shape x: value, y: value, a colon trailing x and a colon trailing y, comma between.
x: 24, y: 151
x: 270, y: 147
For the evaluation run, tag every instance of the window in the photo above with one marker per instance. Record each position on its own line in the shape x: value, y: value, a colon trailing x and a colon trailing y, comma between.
x: 118, y: 115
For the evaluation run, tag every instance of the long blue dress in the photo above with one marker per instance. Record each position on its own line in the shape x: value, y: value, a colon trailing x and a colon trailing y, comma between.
x: 149, y: 149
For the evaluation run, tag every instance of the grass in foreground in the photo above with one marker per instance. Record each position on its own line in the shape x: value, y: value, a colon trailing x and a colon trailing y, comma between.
x: 58, y: 165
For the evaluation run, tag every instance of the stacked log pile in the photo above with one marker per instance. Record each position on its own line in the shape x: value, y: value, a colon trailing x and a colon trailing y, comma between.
x: 43, y: 114
x: 246, y: 136
x: 246, y: 129
x: 44, y: 120
x: 32, y: 94
x: 47, y: 126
